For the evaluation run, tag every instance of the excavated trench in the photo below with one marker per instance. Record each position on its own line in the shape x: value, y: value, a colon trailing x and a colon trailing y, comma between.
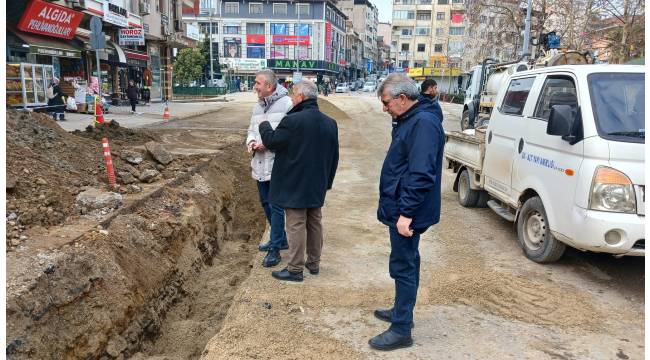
x: 158, y: 285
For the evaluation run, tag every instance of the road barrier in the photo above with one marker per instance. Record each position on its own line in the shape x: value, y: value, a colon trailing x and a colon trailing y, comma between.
x: 197, y: 92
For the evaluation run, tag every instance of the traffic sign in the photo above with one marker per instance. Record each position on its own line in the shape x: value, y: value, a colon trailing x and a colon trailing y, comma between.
x: 97, y: 37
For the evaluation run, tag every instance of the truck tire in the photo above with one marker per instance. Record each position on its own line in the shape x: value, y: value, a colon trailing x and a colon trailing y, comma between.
x: 534, y: 233
x: 467, y: 197
x: 483, y: 198
x: 464, y: 121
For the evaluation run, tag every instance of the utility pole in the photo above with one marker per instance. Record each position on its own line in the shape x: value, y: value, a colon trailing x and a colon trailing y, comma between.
x: 211, y: 55
x: 529, y: 11
x: 298, y: 40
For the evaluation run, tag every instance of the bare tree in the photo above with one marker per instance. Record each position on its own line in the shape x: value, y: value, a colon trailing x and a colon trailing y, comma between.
x: 629, y: 34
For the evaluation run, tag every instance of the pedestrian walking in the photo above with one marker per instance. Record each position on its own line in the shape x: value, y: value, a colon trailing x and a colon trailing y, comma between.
x: 55, y: 102
x: 307, y: 154
x: 132, y: 94
x: 429, y: 97
x: 409, y: 199
x: 273, y: 104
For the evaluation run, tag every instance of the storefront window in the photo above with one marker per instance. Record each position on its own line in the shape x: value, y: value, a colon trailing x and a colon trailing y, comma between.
x: 231, y: 29
x: 279, y: 51
x: 255, y: 51
x: 231, y: 48
x: 304, y: 29
x: 279, y: 29
x: 255, y: 28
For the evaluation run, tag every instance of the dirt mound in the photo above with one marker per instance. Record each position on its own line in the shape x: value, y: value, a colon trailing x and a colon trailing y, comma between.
x: 46, y: 168
x: 116, y: 133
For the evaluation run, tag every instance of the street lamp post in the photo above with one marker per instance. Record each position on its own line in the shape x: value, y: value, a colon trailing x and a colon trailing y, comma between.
x: 211, y: 55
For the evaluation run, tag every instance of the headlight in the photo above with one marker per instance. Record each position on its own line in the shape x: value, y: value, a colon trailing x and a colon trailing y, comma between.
x: 611, y: 190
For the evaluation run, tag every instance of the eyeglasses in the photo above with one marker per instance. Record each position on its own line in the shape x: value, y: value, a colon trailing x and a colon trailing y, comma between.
x: 386, y: 102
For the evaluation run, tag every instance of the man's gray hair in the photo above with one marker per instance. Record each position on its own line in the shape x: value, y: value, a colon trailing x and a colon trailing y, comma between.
x: 269, y: 76
x: 307, y: 88
x: 398, y: 84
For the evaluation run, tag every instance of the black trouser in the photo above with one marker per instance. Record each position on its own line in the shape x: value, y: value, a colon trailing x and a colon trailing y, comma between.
x: 133, y: 103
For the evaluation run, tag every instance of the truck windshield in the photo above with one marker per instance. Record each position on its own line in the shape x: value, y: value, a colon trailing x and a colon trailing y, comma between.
x: 618, y: 102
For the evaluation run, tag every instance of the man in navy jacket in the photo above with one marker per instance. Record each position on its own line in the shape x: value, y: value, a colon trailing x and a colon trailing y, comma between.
x: 409, y: 198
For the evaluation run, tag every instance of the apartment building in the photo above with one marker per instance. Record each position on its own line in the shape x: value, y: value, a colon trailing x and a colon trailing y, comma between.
x: 428, y: 33
x: 365, y: 18
x: 307, y: 36
x: 385, y: 33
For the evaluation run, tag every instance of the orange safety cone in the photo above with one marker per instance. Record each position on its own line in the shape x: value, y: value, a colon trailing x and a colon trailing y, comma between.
x: 99, y: 113
x: 166, y: 115
x: 108, y: 160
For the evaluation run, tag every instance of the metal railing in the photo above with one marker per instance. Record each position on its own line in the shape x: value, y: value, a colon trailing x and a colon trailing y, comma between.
x: 198, y: 92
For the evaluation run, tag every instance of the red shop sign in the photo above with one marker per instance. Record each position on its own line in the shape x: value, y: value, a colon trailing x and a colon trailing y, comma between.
x: 255, y: 39
x: 49, y: 19
x: 291, y: 39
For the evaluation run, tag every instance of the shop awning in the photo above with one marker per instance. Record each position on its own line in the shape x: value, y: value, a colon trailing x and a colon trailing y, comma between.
x: 120, y: 53
x: 49, y: 46
x: 136, y: 55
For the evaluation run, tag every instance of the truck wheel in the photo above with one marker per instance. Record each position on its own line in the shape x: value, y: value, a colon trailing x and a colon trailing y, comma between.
x: 464, y: 121
x: 467, y: 197
x: 534, y: 233
x: 483, y: 198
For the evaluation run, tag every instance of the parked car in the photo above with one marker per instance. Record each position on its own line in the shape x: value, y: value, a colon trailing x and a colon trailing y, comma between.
x: 353, y: 86
x: 370, y: 86
x: 342, y: 88
x: 360, y: 84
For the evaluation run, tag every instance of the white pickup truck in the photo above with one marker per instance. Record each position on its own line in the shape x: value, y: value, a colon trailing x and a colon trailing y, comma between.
x: 563, y: 157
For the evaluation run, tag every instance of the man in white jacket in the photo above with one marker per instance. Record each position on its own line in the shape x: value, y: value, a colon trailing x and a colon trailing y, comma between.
x: 272, y: 106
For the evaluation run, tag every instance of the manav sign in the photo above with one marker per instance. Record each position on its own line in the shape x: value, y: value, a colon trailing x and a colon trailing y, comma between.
x: 50, y: 19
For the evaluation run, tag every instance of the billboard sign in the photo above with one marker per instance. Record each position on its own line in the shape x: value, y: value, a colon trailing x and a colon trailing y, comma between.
x: 49, y: 19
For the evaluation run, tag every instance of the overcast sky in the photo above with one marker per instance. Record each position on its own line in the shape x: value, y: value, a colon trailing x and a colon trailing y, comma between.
x: 385, y: 8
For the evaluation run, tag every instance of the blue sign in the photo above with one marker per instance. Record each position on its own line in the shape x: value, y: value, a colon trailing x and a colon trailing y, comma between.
x: 369, y: 65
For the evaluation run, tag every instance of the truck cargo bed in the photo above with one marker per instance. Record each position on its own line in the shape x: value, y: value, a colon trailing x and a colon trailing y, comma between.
x: 467, y: 148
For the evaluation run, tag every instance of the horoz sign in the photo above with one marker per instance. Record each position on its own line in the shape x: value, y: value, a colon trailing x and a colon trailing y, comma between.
x: 131, y: 37
x: 50, y: 19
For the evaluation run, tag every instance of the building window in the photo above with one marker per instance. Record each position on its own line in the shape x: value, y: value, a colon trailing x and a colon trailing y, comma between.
x: 423, y: 31
x: 456, y: 47
x: 443, y: 2
x: 425, y: 2
x: 403, y: 63
x: 255, y: 8
x: 279, y: 29
x: 205, y: 28
x: 231, y: 8
x: 279, y: 51
x: 303, y: 9
x: 280, y: 9
x: 456, y: 30
x: 440, y: 16
x: 437, y: 48
x: 440, y: 31
x: 407, y: 32
x: 231, y: 29
x: 457, y: 1
x: 255, y: 51
x: 421, y: 47
x: 403, y: 15
x: 304, y: 29
x: 255, y: 28
x: 437, y: 64
x: 405, y: 47
x: 424, y: 15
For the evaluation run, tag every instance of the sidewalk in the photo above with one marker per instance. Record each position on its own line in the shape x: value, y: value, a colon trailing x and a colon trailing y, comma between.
x: 152, y: 113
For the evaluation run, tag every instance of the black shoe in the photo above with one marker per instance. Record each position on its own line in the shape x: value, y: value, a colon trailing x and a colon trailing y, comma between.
x: 287, y: 275
x: 267, y: 246
x: 271, y: 259
x: 390, y: 340
x: 313, y: 271
x: 384, y: 315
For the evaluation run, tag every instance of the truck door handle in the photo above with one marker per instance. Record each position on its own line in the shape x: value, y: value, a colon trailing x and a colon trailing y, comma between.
x: 521, y: 145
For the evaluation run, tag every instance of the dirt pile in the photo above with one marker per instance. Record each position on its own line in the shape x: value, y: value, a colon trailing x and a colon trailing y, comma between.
x: 108, y: 293
x: 47, y: 167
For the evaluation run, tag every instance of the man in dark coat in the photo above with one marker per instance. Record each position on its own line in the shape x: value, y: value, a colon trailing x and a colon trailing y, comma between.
x: 133, y: 94
x: 306, y: 149
x: 429, y: 96
x: 409, y: 198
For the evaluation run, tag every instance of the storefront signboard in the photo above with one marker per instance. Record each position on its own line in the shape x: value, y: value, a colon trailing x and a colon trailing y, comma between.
x: 304, y: 65
x: 49, y: 19
x: 192, y: 31
x: 256, y: 39
x: 131, y: 37
x: 116, y: 15
x: 33, y: 49
x: 245, y: 64
x: 303, y: 40
x: 328, y: 41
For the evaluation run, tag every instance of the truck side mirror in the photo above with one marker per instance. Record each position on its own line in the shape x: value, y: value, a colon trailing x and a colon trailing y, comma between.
x: 560, y: 121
